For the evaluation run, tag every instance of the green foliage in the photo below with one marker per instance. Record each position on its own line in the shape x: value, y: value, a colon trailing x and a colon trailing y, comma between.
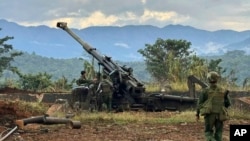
x: 89, y: 68
x: 34, y: 82
x: 171, y: 61
x: 214, y: 66
x: 62, y: 84
x: 166, y: 59
x: 236, y: 63
x: 6, y: 54
x: 32, y: 63
x: 198, y: 67
x: 246, y: 84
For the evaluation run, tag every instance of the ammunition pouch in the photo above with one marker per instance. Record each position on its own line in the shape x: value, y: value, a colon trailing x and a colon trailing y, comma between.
x: 206, y: 107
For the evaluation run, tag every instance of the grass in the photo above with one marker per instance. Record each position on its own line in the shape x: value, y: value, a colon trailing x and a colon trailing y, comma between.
x: 182, y: 87
x: 236, y: 113
x: 136, y: 117
x: 131, y: 117
x: 149, y: 117
x: 33, y: 107
x: 178, y: 86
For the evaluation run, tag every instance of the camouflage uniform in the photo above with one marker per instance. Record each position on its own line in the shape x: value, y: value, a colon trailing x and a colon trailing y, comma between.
x: 84, y: 93
x: 219, y: 99
x: 105, y: 94
x: 82, y: 80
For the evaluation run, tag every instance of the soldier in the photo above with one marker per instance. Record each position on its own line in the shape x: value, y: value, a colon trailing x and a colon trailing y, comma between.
x: 212, y: 104
x: 82, y: 80
x: 94, y: 96
x: 105, y: 92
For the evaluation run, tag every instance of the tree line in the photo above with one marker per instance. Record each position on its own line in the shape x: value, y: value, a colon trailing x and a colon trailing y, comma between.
x: 166, y: 61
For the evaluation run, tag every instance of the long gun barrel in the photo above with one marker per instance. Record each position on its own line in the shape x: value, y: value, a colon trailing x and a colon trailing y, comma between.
x: 87, y: 47
x: 105, y: 61
x: 128, y: 85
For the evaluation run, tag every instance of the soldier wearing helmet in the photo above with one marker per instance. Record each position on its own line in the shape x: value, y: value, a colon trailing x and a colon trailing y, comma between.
x: 212, y: 104
x: 213, y: 77
x: 105, y: 91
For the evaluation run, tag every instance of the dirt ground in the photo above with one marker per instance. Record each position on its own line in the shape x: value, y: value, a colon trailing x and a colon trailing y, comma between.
x: 100, y: 131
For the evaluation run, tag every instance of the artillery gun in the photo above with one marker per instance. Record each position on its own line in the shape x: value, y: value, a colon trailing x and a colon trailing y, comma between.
x: 129, y: 93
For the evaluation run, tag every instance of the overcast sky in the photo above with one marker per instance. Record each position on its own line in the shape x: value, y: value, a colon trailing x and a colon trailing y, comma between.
x: 203, y: 14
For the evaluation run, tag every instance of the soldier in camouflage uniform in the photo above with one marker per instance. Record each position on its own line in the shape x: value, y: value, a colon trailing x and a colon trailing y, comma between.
x: 216, y: 100
x: 105, y: 91
x: 82, y: 80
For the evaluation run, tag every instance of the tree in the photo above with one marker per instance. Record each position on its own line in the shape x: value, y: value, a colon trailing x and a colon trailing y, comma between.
x: 7, y: 54
x: 34, y: 82
x: 62, y: 84
x: 167, y: 60
x: 89, y: 68
x: 214, y: 66
x: 198, y: 67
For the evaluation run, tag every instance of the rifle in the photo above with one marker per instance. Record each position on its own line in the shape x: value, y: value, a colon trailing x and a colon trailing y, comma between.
x: 227, y: 101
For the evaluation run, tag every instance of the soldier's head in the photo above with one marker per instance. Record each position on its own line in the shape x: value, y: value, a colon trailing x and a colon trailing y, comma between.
x: 213, y: 77
x: 83, y: 72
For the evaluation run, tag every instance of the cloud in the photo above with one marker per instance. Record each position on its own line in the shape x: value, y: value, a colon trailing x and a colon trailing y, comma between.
x: 46, y: 44
x: 98, y: 18
x: 134, y: 57
x: 247, y: 49
x: 162, y: 16
x: 210, y: 48
x: 123, y: 45
x: 143, y: 1
x: 208, y: 15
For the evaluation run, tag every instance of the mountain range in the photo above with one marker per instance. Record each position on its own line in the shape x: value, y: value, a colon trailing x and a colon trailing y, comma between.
x: 120, y: 43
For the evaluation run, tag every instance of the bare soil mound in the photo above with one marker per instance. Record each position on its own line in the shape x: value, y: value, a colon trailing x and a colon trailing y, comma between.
x: 10, y: 110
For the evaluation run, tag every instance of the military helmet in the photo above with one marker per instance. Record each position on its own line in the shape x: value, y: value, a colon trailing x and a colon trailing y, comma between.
x: 213, y: 77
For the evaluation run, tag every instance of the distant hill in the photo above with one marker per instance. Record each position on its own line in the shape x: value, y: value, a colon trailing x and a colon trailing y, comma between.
x: 68, y: 68
x: 120, y: 43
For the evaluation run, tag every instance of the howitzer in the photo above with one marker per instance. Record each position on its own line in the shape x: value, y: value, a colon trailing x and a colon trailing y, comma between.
x: 128, y: 91
x: 125, y: 84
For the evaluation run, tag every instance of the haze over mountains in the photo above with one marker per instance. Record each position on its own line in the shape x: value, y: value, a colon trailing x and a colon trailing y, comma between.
x: 121, y: 43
